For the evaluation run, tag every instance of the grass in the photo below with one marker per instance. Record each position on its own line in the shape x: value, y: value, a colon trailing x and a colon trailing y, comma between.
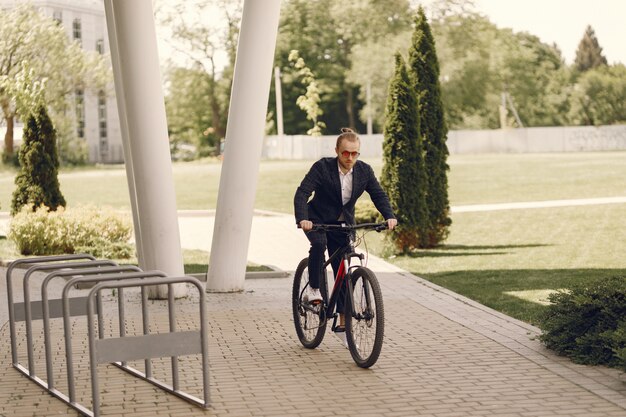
x: 474, y: 179
x: 498, y: 258
x: 490, y: 254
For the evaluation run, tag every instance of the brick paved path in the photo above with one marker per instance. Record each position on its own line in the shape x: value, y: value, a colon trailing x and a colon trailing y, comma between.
x: 443, y: 355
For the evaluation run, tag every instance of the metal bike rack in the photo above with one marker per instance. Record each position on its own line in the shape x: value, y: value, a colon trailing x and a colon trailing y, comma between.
x: 77, y: 305
x: 105, y: 274
x: 27, y: 307
x: 20, y: 306
x: 173, y: 344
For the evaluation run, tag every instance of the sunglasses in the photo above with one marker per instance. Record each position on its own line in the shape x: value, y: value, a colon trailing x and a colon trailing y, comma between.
x: 354, y: 154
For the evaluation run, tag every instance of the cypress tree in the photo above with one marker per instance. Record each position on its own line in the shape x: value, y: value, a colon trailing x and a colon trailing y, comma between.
x: 37, y: 182
x: 424, y: 69
x: 403, y: 175
x: 589, y: 52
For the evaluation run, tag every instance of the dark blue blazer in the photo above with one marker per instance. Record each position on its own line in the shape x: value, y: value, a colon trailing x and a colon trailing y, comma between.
x: 326, y: 206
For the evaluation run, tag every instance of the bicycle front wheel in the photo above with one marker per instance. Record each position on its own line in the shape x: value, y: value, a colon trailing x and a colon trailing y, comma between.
x: 310, y: 321
x: 365, y: 318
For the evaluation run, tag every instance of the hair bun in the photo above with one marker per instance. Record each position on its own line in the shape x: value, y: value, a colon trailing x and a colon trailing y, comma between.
x: 346, y: 130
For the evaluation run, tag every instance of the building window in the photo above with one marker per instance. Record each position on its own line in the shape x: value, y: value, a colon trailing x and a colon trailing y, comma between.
x: 57, y: 15
x: 77, y: 30
x: 80, y: 113
x: 102, y: 123
x: 100, y: 46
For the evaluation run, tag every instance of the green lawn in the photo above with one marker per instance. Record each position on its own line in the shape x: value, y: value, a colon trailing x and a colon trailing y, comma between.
x: 474, y: 179
x: 493, y: 257
x: 490, y: 254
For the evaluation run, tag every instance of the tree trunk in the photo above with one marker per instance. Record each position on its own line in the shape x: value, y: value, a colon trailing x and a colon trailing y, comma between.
x: 8, y: 138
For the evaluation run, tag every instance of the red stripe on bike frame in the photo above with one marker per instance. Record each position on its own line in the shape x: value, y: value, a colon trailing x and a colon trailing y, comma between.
x: 340, y: 275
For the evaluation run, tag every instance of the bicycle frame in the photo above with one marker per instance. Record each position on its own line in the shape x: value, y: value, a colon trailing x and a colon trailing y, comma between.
x: 347, y: 253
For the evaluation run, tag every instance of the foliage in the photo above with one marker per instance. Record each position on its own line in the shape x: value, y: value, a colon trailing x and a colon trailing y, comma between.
x: 373, y: 67
x: 325, y: 33
x: 365, y: 212
x: 588, y: 322
x: 589, y: 52
x: 34, y: 48
x: 100, y: 232
x: 598, y: 97
x: 527, y: 69
x: 403, y: 175
x: 198, y: 95
x: 464, y: 52
x: 480, y: 61
x: 37, y: 182
x: 424, y: 67
x: 309, y: 102
x: 189, y: 118
x: 73, y: 151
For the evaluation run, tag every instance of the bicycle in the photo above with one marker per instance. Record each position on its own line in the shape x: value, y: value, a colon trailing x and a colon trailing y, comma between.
x: 363, y: 307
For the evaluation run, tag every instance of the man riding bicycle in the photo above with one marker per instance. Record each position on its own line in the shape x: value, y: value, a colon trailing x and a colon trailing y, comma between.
x: 336, y: 184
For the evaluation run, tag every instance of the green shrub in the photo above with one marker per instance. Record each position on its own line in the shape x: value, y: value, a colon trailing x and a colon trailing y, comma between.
x: 100, y: 232
x: 588, y: 323
x: 37, y: 181
x: 424, y: 68
x: 365, y: 212
x: 404, y: 175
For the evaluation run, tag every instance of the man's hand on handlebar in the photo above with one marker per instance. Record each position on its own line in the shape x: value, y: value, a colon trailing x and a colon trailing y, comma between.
x: 306, y: 225
x: 391, y: 223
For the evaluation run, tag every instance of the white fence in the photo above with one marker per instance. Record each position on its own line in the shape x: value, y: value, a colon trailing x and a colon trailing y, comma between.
x: 527, y: 140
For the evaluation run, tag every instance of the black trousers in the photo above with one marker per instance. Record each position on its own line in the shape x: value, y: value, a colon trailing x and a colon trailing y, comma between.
x: 320, y: 241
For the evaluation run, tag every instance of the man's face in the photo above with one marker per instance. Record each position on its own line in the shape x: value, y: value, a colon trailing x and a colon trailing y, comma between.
x: 347, y: 153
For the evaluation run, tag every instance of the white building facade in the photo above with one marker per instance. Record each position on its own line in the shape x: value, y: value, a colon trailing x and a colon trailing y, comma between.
x: 97, y: 118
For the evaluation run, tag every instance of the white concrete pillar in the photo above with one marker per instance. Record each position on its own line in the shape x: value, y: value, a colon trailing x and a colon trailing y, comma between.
x: 140, y: 96
x: 119, y: 92
x: 243, y: 146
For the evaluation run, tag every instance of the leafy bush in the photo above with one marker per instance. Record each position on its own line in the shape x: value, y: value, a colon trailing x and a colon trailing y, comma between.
x: 588, y: 323
x: 366, y: 212
x: 102, y: 233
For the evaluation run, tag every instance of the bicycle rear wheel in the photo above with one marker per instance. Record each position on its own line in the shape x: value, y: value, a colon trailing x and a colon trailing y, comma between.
x: 365, y: 318
x: 310, y: 321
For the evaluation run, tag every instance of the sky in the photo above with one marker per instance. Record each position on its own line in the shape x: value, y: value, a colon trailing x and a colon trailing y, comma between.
x: 564, y: 22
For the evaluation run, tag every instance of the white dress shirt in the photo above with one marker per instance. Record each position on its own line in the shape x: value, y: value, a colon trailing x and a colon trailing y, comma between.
x: 346, y: 184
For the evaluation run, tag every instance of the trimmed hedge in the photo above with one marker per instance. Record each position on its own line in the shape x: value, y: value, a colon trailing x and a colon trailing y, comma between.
x: 588, y: 323
x: 100, y: 232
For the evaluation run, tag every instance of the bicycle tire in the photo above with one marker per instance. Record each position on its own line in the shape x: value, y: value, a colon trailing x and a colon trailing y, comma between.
x: 365, y: 320
x: 310, y: 327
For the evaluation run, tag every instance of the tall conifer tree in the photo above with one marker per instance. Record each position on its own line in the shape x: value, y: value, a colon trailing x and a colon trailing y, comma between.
x: 589, y: 52
x: 37, y: 182
x: 424, y: 68
x: 403, y: 175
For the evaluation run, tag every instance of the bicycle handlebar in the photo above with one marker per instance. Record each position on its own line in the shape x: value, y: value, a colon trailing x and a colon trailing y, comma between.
x: 349, y: 227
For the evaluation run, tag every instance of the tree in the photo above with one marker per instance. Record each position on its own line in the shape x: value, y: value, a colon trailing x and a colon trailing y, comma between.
x: 424, y: 67
x: 464, y: 48
x: 599, y: 96
x: 589, y: 53
x: 34, y: 45
x: 189, y: 119
x: 203, y: 46
x: 404, y: 174
x: 325, y: 32
x: 37, y: 182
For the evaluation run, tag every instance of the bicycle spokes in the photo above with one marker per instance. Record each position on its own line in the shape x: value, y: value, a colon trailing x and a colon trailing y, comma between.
x: 365, y: 318
x: 309, y: 320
